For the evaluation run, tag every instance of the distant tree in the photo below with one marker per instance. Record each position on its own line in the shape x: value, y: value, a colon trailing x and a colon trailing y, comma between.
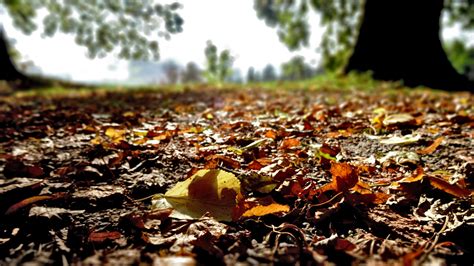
x: 297, y: 69
x: 219, y: 65
x: 394, y: 39
x: 172, y: 71
x: 251, y: 75
x: 103, y: 27
x: 269, y: 73
x: 192, y: 73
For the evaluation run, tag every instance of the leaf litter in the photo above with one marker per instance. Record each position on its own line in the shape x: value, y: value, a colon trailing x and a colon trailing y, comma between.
x: 217, y: 176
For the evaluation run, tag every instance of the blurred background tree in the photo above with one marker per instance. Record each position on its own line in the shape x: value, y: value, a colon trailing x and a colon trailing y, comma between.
x: 219, y: 65
x: 172, y: 72
x: 461, y: 56
x: 395, y: 40
x: 192, y: 73
x: 124, y: 27
x: 297, y: 69
x: 269, y: 73
x: 252, y: 75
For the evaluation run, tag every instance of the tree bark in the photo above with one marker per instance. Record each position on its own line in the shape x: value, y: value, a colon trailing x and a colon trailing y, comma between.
x: 400, y: 40
x: 8, y: 70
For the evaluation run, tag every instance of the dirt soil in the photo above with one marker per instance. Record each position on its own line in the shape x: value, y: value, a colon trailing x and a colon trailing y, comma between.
x: 326, y: 177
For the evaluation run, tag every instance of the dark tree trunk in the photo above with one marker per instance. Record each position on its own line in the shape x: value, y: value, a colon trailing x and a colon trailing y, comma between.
x: 400, y: 40
x: 8, y: 70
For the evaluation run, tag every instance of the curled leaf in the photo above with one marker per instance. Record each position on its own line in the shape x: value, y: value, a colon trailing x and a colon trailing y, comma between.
x: 344, y: 177
x: 452, y: 189
x: 430, y: 149
x: 398, y: 119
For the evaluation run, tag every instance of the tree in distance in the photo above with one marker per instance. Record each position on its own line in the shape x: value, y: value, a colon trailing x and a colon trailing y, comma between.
x: 218, y: 65
x: 296, y: 69
x: 269, y: 73
x: 192, y: 73
x: 122, y: 27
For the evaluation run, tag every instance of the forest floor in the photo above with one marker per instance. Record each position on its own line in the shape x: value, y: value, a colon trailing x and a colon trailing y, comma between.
x: 308, y: 176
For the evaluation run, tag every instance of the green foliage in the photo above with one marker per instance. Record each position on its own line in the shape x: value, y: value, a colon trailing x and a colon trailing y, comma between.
x: 340, y: 18
x: 102, y: 26
x: 219, y: 65
x: 461, y: 56
x: 290, y: 18
x: 461, y: 11
x: 297, y: 69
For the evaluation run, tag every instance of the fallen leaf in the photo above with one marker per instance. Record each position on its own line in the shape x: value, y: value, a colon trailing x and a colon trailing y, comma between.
x: 100, y: 237
x: 264, y: 210
x: 398, y: 119
x: 400, y: 158
x: 396, y: 140
x: 344, y: 177
x: 452, y: 189
x: 212, y: 191
x: 419, y: 174
x: 115, y: 134
x: 252, y: 207
x: 289, y: 143
x: 430, y: 149
x: 26, y: 202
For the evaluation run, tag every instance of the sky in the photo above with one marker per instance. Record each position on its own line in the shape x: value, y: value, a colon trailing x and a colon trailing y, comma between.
x: 230, y: 24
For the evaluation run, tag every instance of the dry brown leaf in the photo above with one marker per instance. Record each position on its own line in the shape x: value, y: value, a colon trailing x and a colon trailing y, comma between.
x: 430, y: 149
x: 26, y: 202
x: 257, y: 207
x: 418, y: 176
x: 452, y: 189
x: 99, y: 237
x: 344, y: 177
x: 362, y: 188
x: 289, y: 143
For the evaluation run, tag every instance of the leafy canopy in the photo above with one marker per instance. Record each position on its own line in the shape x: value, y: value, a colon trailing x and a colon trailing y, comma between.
x: 102, y: 26
x: 218, y: 65
x: 340, y: 17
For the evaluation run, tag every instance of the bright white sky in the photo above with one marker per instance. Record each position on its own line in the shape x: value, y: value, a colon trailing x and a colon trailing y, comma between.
x: 230, y: 24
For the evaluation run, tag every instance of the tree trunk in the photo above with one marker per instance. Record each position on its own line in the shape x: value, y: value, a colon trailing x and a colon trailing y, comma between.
x: 399, y: 40
x: 8, y: 70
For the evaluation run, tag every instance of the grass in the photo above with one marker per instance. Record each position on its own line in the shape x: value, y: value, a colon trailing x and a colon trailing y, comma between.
x: 326, y: 82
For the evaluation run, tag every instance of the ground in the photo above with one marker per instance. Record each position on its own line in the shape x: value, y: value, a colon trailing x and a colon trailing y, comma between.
x: 323, y: 176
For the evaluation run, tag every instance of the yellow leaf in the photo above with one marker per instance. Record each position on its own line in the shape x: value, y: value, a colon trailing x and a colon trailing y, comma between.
x: 115, y: 134
x: 207, y: 191
x: 264, y: 210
